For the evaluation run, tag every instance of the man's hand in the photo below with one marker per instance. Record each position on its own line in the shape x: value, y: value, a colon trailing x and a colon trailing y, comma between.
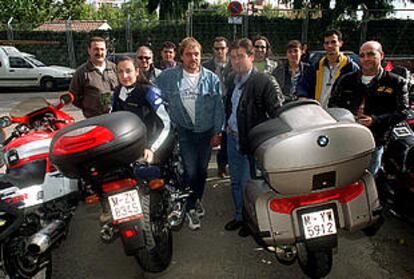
x: 364, y: 120
x: 148, y: 156
x: 215, y: 140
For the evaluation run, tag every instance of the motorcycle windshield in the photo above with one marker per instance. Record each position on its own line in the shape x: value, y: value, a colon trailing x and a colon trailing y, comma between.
x: 28, y: 106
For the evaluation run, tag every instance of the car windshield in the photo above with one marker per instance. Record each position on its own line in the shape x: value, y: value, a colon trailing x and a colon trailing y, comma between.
x: 36, y: 62
x: 28, y: 106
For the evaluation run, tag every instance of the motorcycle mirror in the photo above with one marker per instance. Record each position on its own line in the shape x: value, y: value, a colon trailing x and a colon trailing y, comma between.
x: 67, y: 98
x: 5, y: 121
x: 2, y: 138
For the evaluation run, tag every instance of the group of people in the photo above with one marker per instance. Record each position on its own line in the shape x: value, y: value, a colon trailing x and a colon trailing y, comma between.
x: 220, y: 101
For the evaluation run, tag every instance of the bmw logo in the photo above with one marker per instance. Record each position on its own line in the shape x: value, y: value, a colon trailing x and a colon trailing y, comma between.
x: 323, y: 141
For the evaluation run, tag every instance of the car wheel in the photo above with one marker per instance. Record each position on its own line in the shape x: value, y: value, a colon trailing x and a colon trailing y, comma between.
x: 49, y: 84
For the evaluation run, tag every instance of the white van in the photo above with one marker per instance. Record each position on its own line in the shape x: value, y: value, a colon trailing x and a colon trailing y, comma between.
x: 19, y: 69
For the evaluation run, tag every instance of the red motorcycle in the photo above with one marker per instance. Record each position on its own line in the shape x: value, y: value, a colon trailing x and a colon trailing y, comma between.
x: 145, y: 202
x: 45, y: 199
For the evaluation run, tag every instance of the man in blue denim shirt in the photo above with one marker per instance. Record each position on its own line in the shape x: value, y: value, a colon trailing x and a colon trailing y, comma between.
x: 195, y: 106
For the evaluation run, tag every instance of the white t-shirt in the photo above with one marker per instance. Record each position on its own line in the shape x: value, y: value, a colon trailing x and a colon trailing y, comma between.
x: 329, y: 73
x: 189, y: 92
x: 366, y: 79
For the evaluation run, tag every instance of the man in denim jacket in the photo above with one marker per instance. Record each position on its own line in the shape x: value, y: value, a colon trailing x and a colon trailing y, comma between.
x: 195, y: 106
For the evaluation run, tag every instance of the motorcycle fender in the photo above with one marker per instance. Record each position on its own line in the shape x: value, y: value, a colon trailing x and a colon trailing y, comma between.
x: 135, y: 239
x: 359, y: 213
x: 272, y: 227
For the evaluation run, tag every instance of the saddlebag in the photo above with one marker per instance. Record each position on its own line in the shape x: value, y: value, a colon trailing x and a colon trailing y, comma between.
x: 98, y: 144
x: 305, y: 149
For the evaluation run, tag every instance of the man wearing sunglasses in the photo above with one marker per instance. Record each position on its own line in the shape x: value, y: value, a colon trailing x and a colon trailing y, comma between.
x: 377, y: 98
x: 263, y: 61
x: 145, y: 63
x: 221, y: 66
x: 317, y: 83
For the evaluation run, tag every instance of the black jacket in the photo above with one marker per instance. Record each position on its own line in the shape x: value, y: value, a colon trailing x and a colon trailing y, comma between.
x: 284, y: 78
x: 260, y: 98
x: 386, y: 99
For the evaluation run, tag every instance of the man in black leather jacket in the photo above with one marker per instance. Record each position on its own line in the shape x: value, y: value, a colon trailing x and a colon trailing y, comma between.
x: 377, y: 98
x: 252, y: 98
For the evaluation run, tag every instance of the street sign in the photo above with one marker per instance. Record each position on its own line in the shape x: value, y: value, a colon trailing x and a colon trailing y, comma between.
x: 235, y: 8
x: 235, y: 20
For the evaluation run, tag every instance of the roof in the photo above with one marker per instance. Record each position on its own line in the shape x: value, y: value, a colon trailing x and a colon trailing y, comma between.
x: 77, y: 26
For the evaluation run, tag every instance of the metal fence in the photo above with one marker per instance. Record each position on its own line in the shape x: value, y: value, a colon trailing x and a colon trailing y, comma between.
x: 279, y: 25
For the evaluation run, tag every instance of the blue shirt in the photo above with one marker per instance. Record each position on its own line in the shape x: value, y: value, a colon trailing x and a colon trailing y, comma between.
x: 235, y: 98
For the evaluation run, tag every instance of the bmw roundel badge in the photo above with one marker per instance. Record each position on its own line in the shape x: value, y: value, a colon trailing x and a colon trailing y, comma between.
x: 323, y: 141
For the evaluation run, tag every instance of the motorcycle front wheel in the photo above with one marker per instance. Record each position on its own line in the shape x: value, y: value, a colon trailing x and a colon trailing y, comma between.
x: 157, y: 253
x: 315, y: 264
x: 17, y: 267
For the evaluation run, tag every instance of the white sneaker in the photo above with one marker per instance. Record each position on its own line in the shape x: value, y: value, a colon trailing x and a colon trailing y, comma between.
x: 193, y: 220
x: 199, y: 208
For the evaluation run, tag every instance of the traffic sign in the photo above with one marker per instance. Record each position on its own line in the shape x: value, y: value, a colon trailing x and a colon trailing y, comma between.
x: 235, y: 8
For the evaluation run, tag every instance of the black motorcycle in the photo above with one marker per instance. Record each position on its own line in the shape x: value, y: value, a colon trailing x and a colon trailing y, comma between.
x: 144, y: 202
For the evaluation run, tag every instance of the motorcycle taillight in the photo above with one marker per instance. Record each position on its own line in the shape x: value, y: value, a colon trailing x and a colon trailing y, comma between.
x: 118, y: 185
x: 342, y: 194
x: 82, y: 139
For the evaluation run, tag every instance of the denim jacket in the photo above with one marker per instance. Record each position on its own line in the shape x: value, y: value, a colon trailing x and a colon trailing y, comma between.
x: 209, y: 106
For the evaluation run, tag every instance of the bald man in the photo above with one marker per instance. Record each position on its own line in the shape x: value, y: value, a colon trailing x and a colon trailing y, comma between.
x: 145, y: 59
x: 377, y: 98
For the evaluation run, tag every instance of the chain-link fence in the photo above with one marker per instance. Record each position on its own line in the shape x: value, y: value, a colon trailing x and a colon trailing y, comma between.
x: 68, y: 47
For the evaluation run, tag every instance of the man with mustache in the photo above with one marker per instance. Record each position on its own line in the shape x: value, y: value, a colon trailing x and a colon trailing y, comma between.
x: 93, y: 82
x: 193, y: 95
x: 317, y: 83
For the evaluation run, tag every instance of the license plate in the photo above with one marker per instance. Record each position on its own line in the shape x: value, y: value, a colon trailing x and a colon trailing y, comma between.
x: 125, y: 205
x: 319, y: 223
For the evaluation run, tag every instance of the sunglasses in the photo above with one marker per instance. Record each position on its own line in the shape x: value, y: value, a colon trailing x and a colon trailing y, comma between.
x: 219, y: 48
x: 144, y: 57
x: 168, y: 51
x: 262, y: 47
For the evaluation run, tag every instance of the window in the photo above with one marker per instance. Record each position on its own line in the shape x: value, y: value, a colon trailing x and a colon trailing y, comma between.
x: 18, y: 62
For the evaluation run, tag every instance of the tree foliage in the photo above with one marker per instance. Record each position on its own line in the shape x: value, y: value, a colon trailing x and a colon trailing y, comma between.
x: 170, y: 9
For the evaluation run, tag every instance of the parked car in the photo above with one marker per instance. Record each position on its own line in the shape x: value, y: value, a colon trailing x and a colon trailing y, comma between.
x: 20, y: 69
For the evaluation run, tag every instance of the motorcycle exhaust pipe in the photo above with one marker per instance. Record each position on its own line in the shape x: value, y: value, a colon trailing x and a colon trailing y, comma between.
x: 46, y: 237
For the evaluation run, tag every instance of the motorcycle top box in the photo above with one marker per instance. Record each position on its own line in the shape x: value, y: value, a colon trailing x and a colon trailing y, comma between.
x: 327, y: 152
x: 98, y: 144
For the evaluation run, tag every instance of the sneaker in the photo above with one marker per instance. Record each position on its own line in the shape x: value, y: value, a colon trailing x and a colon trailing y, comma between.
x: 193, y: 220
x: 199, y: 208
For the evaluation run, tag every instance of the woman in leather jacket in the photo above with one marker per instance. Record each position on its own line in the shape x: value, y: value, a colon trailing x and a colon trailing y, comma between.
x: 139, y: 96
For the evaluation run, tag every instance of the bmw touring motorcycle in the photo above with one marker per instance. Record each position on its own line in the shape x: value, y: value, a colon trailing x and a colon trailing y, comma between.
x: 313, y: 182
x: 36, y: 201
x: 145, y: 201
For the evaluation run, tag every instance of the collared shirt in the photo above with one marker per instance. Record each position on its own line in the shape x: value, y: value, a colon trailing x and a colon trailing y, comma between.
x: 235, y: 98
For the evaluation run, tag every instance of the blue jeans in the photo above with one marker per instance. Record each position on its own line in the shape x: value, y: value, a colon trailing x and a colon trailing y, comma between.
x: 239, y: 173
x: 195, y: 151
x: 376, y: 159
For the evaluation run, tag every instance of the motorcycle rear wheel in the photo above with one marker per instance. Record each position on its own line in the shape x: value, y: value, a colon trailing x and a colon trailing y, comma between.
x: 315, y: 264
x: 157, y: 253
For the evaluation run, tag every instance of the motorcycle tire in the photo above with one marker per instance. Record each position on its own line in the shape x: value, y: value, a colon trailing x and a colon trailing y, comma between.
x: 17, y: 268
x: 157, y: 253
x: 315, y: 264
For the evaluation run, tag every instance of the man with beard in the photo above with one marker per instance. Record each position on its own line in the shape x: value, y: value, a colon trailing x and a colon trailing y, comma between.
x: 93, y: 82
x: 377, y: 98
x: 193, y: 95
x: 318, y: 81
